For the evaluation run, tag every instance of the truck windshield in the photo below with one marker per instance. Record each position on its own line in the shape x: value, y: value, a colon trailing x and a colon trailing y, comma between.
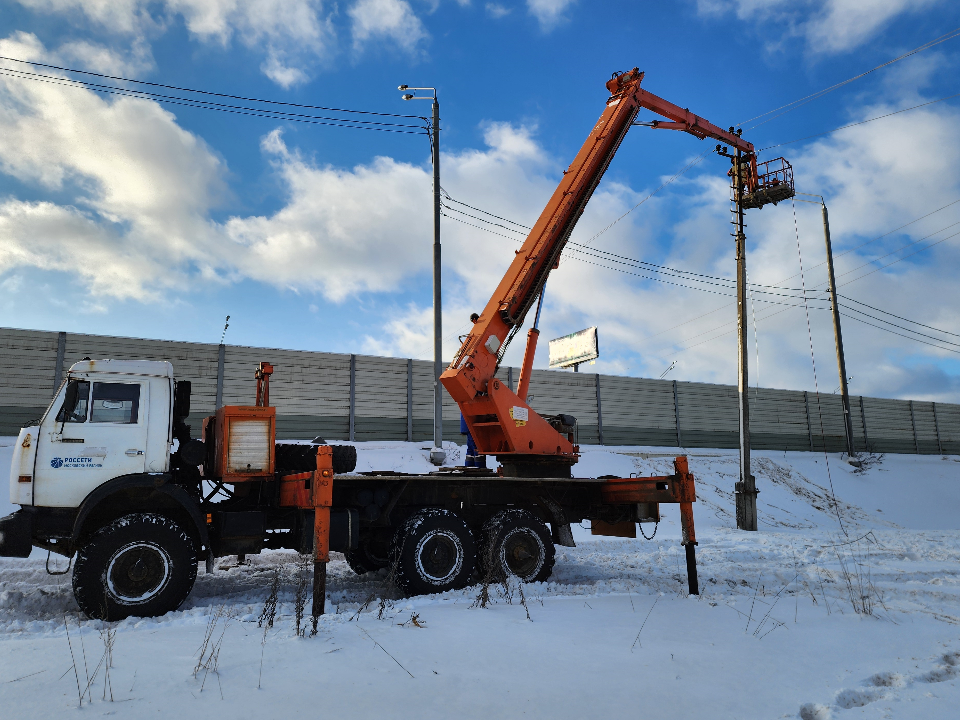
x: 74, y: 409
x: 115, y: 403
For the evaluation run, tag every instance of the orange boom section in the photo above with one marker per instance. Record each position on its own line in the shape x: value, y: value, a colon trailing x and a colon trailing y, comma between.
x: 501, y: 421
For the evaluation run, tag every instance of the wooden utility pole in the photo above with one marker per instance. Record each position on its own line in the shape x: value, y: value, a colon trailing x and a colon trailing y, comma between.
x: 746, y: 488
x: 838, y: 335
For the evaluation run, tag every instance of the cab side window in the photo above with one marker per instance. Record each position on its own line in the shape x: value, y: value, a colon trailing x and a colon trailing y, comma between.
x: 74, y: 409
x: 115, y: 403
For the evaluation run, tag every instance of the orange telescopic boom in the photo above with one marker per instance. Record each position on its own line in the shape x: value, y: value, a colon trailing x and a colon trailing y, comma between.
x: 501, y: 421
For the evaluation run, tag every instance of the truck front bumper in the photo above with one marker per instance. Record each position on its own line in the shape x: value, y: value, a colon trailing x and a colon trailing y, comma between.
x: 16, y: 532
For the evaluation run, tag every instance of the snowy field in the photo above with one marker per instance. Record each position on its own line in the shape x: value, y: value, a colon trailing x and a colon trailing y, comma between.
x: 846, y: 611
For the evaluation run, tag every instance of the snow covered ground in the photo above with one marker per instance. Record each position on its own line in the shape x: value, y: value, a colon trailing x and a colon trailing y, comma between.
x: 816, y: 616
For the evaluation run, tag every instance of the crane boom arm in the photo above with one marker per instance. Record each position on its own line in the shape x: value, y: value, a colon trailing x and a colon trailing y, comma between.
x: 470, y: 378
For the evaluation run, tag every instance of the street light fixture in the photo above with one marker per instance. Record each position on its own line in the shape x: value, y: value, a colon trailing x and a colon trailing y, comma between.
x: 437, y: 455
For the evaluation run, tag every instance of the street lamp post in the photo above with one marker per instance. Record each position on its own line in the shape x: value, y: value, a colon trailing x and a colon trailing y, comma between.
x: 437, y: 456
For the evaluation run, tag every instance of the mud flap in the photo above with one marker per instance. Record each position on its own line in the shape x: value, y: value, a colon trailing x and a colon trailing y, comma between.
x: 562, y: 534
x: 560, y: 531
x: 16, y: 532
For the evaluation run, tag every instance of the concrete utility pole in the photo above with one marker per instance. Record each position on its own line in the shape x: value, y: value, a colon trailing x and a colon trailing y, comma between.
x: 437, y: 456
x: 838, y: 335
x: 746, y: 489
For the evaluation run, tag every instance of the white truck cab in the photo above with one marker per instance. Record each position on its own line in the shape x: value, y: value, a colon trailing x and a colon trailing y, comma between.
x: 110, y: 418
x: 111, y: 477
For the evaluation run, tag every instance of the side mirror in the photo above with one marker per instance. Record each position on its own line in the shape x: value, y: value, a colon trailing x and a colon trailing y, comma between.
x: 70, y: 398
x: 181, y: 399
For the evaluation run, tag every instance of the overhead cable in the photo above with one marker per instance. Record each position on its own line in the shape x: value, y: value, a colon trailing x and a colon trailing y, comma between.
x: 880, y: 327
x: 609, y: 256
x: 206, y: 92
x: 790, y: 106
x: 893, y: 324
x: 221, y: 107
x: 929, y: 327
x: 861, y: 122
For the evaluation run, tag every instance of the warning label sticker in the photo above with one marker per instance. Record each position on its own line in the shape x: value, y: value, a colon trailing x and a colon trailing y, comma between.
x: 520, y: 415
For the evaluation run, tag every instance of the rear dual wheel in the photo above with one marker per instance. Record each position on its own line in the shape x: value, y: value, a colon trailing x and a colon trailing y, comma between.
x: 516, y: 542
x: 433, y: 551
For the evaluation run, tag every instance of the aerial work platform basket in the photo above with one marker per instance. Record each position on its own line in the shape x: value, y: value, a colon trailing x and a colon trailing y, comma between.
x: 773, y: 183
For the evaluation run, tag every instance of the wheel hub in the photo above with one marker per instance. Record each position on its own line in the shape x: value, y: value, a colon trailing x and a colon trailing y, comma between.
x: 439, y: 557
x: 137, y: 572
x: 522, y: 554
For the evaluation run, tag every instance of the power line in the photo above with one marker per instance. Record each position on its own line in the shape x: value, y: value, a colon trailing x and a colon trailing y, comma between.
x: 608, y: 257
x: 879, y: 327
x: 725, y: 283
x: 861, y: 122
x: 901, y: 327
x: 613, y: 257
x: 899, y: 249
x: 929, y: 327
x: 820, y: 93
x: 485, y: 212
x: 883, y: 267
x: 206, y: 92
x: 219, y: 107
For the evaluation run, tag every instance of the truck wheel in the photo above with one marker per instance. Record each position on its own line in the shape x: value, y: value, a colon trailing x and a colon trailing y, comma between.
x: 373, y: 554
x: 344, y: 458
x: 434, y: 551
x: 516, y: 542
x: 295, y: 458
x: 141, y: 564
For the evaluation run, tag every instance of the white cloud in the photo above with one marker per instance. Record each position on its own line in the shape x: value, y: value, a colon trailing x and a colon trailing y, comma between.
x: 142, y: 186
x: 549, y: 13
x: 119, y: 16
x: 98, y: 58
x: 386, y: 19
x: 341, y: 232
x: 496, y: 10
x: 294, y: 34
x: 829, y: 26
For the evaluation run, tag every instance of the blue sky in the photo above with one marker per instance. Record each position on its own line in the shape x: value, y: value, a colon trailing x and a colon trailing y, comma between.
x: 121, y: 216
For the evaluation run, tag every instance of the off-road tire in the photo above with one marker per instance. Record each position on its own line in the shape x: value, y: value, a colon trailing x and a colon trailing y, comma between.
x: 141, y: 564
x: 292, y: 458
x: 516, y: 542
x: 433, y: 551
x: 344, y: 458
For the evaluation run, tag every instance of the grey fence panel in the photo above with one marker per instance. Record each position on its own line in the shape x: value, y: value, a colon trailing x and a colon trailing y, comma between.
x: 778, y: 420
x: 637, y: 411
x: 311, y: 391
x: 826, y: 422
x: 889, y: 428
x: 860, y: 434
x: 926, y: 428
x: 708, y: 415
x: 28, y: 388
x: 381, y: 398
x: 948, y: 418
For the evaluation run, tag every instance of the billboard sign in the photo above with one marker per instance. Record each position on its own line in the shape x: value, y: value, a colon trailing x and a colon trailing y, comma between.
x: 570, y: 350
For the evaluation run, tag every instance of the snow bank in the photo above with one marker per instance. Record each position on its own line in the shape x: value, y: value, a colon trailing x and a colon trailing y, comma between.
x: 815, y: 616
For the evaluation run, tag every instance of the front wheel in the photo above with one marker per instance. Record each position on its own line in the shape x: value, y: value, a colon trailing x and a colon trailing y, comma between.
x: 141, y: 564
